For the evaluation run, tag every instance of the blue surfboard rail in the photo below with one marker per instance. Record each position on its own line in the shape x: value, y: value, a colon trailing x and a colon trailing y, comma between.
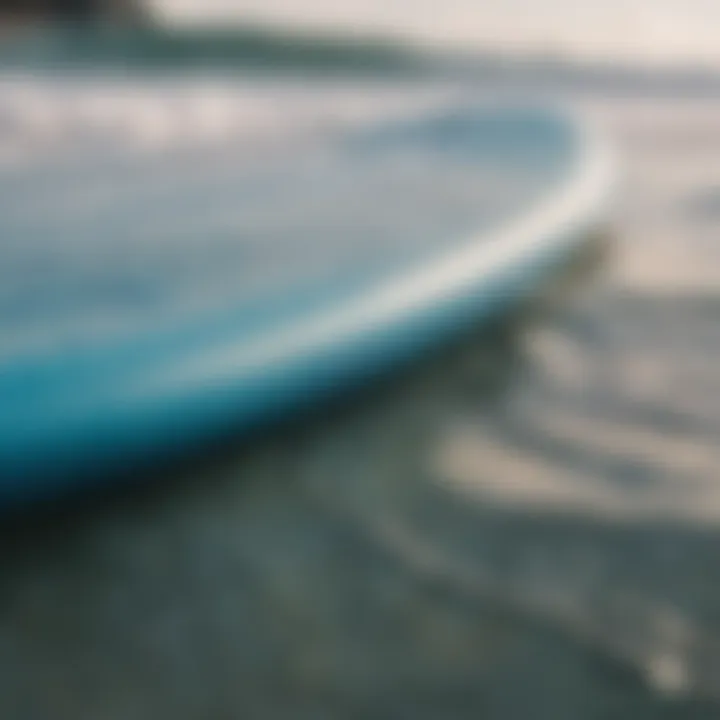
x: 78, y: 412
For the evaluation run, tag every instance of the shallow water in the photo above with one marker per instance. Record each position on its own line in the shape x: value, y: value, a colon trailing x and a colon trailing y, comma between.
x: 524, y: 526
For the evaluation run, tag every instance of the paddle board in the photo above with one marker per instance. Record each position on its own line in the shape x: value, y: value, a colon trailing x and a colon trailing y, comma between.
x: 164, y: 281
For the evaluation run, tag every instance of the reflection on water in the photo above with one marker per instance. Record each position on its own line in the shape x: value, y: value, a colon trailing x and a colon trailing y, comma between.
x: 525, y: 526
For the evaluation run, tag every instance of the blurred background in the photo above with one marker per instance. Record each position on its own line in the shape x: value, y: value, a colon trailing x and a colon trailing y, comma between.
x: 523, y: 526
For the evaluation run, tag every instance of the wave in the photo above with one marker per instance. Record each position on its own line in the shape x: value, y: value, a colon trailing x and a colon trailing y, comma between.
x: 253, y: 47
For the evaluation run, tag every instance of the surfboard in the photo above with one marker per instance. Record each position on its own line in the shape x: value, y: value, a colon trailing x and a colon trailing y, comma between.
x: 163, y: 284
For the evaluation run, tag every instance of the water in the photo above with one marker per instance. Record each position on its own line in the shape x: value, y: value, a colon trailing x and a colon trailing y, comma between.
x: 524, y: 526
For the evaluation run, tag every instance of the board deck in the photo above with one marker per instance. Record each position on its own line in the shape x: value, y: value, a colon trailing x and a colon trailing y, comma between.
x: 163, y: 286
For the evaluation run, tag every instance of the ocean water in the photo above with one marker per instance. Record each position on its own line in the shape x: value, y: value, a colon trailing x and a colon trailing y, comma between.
x: 525, y: 525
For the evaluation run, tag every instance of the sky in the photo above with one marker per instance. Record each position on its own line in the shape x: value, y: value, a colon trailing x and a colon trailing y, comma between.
x: 652, y: 31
